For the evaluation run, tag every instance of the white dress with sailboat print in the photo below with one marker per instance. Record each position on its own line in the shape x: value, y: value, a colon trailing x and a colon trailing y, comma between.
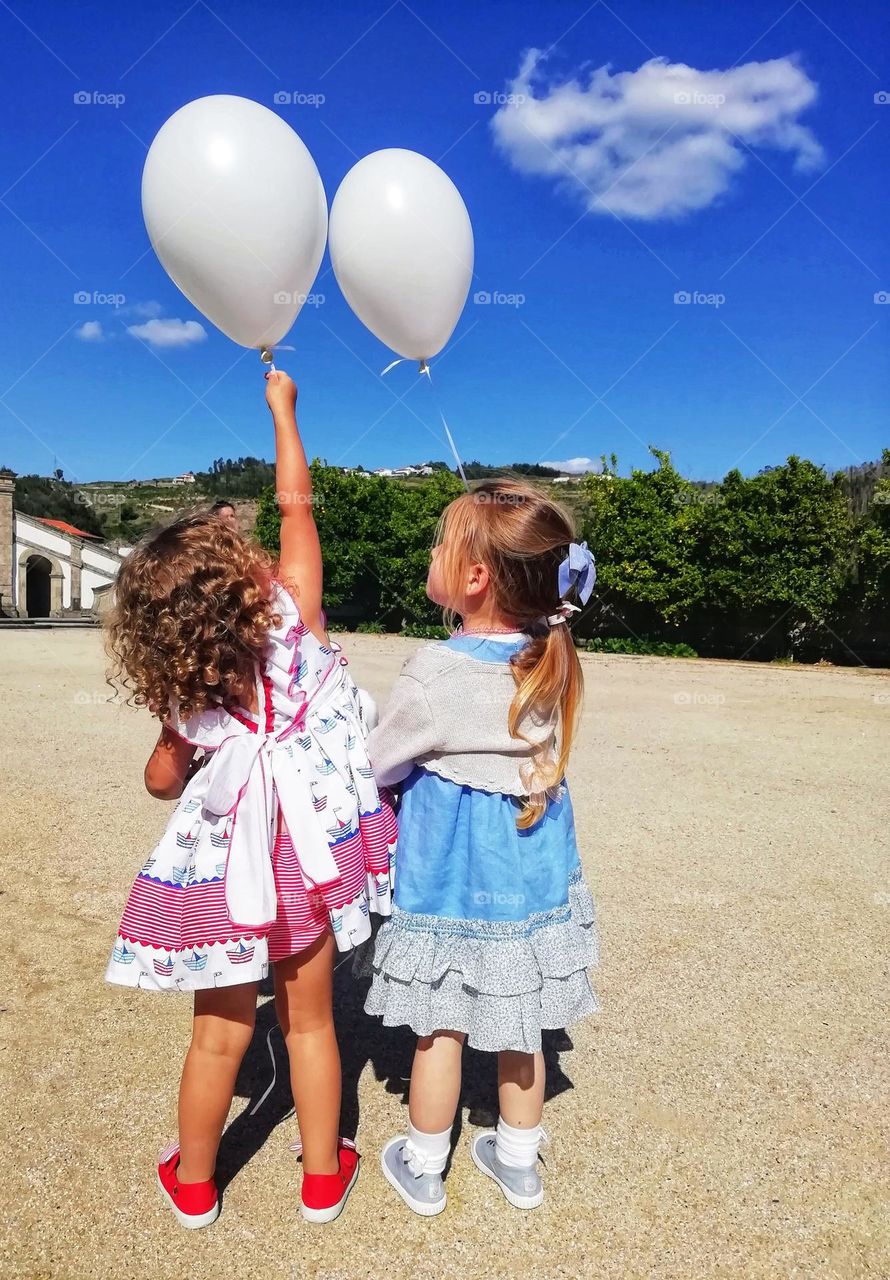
x: 280, y: 836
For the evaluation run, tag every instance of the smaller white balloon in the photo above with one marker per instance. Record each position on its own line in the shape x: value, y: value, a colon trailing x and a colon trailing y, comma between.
x: 402, y: 250
x: 237, y: 214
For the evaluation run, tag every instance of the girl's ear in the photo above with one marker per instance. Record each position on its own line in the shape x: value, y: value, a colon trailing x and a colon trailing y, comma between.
x: 478, y: 579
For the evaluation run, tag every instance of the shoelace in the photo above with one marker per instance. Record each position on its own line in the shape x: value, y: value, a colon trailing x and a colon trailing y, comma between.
x: 414, y: 1159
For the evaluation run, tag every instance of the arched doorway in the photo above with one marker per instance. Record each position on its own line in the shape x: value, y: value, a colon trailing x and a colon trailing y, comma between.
x: 38, y: 587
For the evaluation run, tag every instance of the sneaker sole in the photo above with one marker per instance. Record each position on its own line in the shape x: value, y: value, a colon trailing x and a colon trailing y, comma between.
x: 328, y: 1215
x: 191, y: 1221
x: 512, y: 1197
x: 421, y: 1207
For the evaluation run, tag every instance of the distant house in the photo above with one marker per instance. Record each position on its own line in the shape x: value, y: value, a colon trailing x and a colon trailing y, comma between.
x: 403, y: 472
x: 187, y: 477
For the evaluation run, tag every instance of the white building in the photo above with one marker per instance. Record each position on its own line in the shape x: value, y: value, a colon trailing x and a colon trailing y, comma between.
x: 49, y: 568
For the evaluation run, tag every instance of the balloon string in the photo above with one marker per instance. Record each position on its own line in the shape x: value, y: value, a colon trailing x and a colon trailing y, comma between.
x: 425, y: 370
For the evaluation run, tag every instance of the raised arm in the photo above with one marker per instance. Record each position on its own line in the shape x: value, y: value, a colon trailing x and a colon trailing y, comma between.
x: 300, y: 562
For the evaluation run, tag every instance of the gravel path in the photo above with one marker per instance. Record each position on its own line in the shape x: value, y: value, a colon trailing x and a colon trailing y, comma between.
x: 725, y: 1115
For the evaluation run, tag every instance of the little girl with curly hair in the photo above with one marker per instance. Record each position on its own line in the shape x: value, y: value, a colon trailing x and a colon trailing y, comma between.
x: 279, y: 845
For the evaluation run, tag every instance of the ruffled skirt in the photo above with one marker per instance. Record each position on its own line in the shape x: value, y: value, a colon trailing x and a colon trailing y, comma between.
x: 500, y: 983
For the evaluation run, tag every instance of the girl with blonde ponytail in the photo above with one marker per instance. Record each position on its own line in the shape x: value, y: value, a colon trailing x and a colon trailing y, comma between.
x: 492, y: 930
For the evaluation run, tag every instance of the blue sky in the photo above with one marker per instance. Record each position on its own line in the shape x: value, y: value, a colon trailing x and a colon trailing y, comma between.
x: 785, y: 219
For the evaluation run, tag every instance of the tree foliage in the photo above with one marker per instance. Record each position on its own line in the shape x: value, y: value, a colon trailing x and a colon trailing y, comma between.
x: 236, y: 477
x: 375, y: 537
x: 783, y: 553
x: 55, y: 499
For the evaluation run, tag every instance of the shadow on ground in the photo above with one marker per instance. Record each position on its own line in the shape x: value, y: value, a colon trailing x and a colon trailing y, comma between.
x: 363, y: 1040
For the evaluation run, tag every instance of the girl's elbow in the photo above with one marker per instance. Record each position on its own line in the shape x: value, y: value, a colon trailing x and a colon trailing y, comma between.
x: 162, y: 790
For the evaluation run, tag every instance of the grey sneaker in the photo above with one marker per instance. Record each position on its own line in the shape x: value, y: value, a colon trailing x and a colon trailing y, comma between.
x: 422, y: 1192
x: 522, y: 1187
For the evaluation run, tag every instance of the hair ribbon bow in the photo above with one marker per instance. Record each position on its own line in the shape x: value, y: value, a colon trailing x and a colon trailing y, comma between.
x: 577, y: 570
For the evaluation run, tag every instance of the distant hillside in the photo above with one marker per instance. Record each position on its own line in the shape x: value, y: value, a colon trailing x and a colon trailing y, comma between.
x: 121, y: 511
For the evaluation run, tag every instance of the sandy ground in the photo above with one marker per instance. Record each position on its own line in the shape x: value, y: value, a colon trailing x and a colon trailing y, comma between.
x: 724, y: 1116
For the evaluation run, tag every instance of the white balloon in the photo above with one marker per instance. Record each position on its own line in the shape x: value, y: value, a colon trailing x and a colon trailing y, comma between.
x: 402, y: 250
x: 237, y: 214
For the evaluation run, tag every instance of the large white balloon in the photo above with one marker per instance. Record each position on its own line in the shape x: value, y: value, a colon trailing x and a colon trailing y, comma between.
x: 402, y: 250
x: 237, y: 214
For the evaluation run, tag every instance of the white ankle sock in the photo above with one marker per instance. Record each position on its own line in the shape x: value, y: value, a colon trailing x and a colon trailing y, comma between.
x: 517, y: 1148
x: 427, y: 1152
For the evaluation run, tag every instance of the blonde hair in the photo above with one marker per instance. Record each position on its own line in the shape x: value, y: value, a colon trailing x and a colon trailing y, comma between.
x: 192, y: 614
x: 521, y: 536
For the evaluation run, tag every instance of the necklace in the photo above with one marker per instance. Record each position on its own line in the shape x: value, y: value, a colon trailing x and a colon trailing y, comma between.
x: 488, y: 631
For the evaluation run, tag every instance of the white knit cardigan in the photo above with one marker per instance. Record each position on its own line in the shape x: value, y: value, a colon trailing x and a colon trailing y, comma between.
x: 448, y: 714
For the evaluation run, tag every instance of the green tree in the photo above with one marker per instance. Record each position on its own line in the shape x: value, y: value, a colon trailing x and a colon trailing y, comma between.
x: 56, y: 500
x: 643, y: 530
x: 873, y: 541
x: 375, y: 537
x: 781, y: 540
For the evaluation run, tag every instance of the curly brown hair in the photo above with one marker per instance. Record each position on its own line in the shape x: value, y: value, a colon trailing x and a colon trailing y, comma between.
x: 193, y: 609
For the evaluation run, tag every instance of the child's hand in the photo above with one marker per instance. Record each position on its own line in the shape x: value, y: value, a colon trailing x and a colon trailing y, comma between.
x: 281, y: 393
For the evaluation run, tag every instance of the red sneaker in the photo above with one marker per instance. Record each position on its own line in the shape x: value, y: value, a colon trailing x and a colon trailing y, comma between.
x: 324, y: 1194
x: 195, y: 1204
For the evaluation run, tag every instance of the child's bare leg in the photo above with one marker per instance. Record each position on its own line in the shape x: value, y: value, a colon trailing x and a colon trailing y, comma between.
x: 435, y: 1081
x: 521, y: 1088
x: 304, y: 1002
x: 222, y: 1029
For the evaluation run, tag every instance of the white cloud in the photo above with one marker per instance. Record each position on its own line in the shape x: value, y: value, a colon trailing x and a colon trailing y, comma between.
x: 146, y: 310
x: 657, y: 142
x: 169, y: 333
x: 575, y: 466
x: 90, y: 331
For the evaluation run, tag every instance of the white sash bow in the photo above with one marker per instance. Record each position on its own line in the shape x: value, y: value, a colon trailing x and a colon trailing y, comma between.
x: 238, y: 782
